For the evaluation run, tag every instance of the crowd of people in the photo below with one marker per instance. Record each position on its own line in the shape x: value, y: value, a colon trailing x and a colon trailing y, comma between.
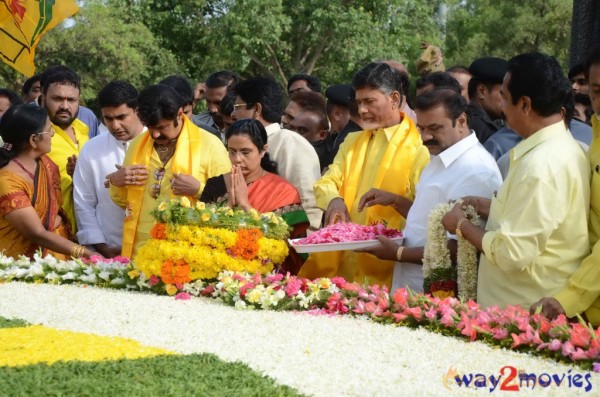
x: 512, y: 138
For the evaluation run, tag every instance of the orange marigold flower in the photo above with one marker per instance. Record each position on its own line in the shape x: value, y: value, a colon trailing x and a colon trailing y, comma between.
x: 246, y: 244
x: 175, y: 272
x: 159, y: 231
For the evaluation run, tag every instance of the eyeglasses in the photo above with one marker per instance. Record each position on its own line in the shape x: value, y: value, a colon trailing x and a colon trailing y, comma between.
x: 51, y: 132
x: 155, y: 187
x: 237, y: 105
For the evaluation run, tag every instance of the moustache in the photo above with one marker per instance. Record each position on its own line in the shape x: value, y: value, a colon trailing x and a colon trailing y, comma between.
x: 431, y: 142
x: 63, y: 112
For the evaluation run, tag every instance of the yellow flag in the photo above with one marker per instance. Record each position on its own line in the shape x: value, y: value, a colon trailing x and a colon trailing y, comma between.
x: 23, y: 23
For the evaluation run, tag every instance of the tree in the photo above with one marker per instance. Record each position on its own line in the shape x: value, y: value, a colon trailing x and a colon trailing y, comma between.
x: 101, y: 47
x: 477, y: 28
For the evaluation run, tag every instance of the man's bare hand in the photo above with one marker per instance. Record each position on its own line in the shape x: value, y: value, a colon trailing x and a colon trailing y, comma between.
x: 337, y: 212
x: 386, y: 249
x: 185, y: 185
x: 71, y: 162
x: 377, y: 197
x: 131, y: 175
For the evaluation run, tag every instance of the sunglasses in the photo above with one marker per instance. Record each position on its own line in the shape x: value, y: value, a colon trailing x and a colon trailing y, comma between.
x: 155, y: 187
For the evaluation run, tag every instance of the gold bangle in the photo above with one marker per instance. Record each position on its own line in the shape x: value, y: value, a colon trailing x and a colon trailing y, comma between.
x: 399, y: 253
x: 458, y: 226
x: 77, y: 251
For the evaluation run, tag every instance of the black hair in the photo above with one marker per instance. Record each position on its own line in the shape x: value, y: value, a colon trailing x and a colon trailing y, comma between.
x: 16, y: 127
x: 439, y: 80
x: 309, y: 100
x: 182, y: 86
x: 311, y: 82
x: 29, y: 83
x: 59, y: 74
x: 539, y: 77
x: 258, y: 135
x: 453, y: 102
x: 158, y: 102
x: 227, y: 104
x: 380, y: 76
x: 12, y: 96
x: 593, y: 58
x: 474, y: 83
x: 224, y: 78
x: 576, y: 69
x: 117, y: 93
x: 264, y: 91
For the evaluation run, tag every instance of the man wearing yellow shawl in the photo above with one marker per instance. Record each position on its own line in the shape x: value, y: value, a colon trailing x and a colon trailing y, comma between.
x: 60, y: 97
x: 389, y: 154
x: 174, y: 158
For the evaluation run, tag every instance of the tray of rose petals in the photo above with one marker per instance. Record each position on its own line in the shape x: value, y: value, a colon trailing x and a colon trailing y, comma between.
x: 344, y: 236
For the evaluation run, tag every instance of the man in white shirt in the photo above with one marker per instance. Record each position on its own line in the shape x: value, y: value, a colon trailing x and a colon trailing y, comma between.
x: 459, y: 166
x: 99, y: 219
x: 297, y: 161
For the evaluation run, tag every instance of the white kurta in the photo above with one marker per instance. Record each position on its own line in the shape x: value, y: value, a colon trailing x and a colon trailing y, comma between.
x: 298, y: 163
x: 99, y: 219
x: 464, y: 169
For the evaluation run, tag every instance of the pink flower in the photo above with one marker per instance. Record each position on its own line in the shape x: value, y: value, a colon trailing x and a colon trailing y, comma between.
x: 121, y: 259
x: 579, y: 354
x: 431, y: 313
x: 293, y: 286
x: 580, y: 335
x: 96, y: 258
x: 273, y: 278
x: 399, y: 316
x: 415, y: 312
x: 401, y: 297
x: 499, y: 333
x: 245, y: 288
x: 238, y: 277
x: 208, y: 290
x: 153, y: 280
x: 596, y: 367
x: 448, y: 320
x: 567, y: 349
x: 339, y: 282
x: 182, y: 296
x: 257, y: 278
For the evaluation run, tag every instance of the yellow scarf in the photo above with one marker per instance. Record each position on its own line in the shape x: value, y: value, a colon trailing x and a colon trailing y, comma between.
x: 181, y: 162
x: 393, y: 175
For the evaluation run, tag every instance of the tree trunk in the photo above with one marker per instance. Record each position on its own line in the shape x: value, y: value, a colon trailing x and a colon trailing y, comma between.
x: 585, y: 29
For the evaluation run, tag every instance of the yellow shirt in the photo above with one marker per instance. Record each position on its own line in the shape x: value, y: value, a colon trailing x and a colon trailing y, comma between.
x: 537, y: 227
x: 391, y: 159
x: 582, y: 292
x: 198, y: 153
x: 63, y: 147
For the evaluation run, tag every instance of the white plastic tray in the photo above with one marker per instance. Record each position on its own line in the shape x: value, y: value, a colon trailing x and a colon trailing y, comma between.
x: 351, y: 245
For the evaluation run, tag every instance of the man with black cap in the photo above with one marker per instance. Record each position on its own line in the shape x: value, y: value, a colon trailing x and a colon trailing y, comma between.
x: 485, y: 109
x: 342, y: 113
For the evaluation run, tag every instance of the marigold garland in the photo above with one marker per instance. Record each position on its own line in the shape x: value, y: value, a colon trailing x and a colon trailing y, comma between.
x: 175, y: 272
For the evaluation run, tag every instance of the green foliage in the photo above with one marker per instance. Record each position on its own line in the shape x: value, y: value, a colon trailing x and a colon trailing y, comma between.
x: 143, y: 41
x: 196, y: 374
x: 12, y: 323
x: 477, y: 28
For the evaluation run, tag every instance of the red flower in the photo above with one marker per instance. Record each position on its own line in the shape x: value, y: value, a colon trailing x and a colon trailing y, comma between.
x: 580, y: 336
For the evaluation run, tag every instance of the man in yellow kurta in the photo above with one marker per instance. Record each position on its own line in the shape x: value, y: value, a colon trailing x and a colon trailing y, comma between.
x: 173, y: 158
x: 582, y: 293
x: 536, y: 233
x: 60, y: 97
x: 388, y: 155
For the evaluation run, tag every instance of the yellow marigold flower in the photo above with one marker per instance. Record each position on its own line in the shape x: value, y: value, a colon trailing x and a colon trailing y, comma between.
x: 185, y: 202
x: 200, y: 205
x: 254, y: 295
x: 205, y: 216
x: 162, y: 206
x: 254, y: 214
x: 134, y: 273
x: 171, y: 289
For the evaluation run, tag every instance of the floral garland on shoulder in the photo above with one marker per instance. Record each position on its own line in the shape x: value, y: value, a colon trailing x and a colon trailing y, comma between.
x: 441, y: 279
x: 191, y: 242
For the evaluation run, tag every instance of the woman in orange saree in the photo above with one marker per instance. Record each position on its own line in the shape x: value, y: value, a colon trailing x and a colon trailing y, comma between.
x: 30, y: 196
x: 253, y: 183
